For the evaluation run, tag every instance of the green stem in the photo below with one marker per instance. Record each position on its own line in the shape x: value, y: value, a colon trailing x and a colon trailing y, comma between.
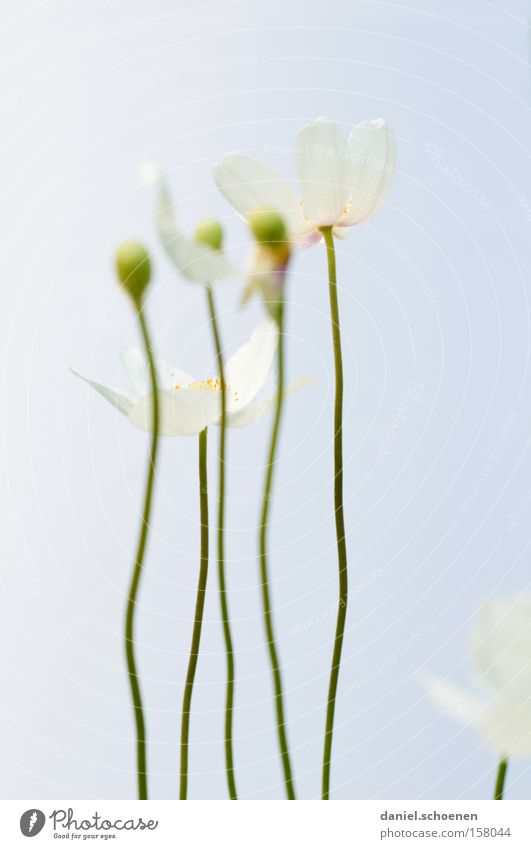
x: 137, y: 572
x: 199, y: 610
x: 500, y: 779
x: 266, y: 599
x: 229, y: 650
x: 338, y: 509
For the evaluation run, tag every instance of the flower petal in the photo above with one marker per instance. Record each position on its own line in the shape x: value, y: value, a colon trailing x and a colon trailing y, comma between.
x: 308, y: 238
x: 504, y: 725
x: 195, y: 261
x: 325, y: 172
x: 120, y: 400
x: 453, y: 701
x: 507, y: 728
x: 170, y: 377
x: 341, y: 230
x: 251, y: 413
x: 372, y: 146
x: 247, y: 370
x: 183, y: 412
x: 249, y: 184
x: 501, y: 647
x: 136, y: 367
x: 256, y: 409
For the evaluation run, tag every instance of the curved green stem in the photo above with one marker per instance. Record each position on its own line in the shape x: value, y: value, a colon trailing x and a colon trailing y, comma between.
x: 338, y: 509
x: 266, y: 598
x: 199, y: 610
x: 137, y: 572
x: 500, y: 779
x: 227, y: 635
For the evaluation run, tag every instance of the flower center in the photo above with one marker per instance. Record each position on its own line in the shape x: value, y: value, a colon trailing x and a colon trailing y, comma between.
x: 211, y: 383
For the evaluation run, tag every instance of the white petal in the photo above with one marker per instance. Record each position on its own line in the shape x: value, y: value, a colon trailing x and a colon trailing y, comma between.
x: 301, y: 383
x: 505, y: 725
x: 195, y: 261
x: 251, y: 413
x: 198, y: 263
x: 341, y: 230
x: 507, y: 728
x: 325, y: 171
x: 372, y: 146
x: 183, y: 412
x: 256, y: 409
x: 453, y: 701
x: 170, y: 377
x: 308, y: 238
x: 120, y: 400
x: 249, y: 184
x: 501, y: 647
x: 247, y: 370
x: 165, y: 220
x: 135, y: 365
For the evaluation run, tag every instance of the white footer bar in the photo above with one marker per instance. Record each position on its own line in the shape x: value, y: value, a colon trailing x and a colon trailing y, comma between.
x: 280, y: 825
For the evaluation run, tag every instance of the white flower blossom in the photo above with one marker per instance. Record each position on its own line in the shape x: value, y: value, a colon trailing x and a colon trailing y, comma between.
x: 343, y: 181
x: 188, y: 405
x: 499, y: 708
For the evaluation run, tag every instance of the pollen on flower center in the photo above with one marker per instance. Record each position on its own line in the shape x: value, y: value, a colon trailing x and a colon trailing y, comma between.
x: 211, y: 383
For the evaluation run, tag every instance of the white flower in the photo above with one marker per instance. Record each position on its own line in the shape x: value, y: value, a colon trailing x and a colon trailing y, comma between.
x: 342, y: 181
x: 501, y: 658
x: 194, y: 259
x: 188, y: 405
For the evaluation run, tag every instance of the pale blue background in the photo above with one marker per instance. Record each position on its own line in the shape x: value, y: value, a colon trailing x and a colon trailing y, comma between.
x: 434, y: 293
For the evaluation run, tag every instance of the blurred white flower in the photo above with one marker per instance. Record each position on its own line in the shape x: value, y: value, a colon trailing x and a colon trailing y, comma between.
x: 501, y: 658
x: 267, y: 265
x: 342, y: 181
x: 187, y: 405
x: 196, y: 259
x: 264, y: 275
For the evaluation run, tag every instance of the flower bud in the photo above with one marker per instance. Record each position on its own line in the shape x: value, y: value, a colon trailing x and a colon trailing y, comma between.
x: 268, y: 227
x: 210, y: 232
x: 133, y: 267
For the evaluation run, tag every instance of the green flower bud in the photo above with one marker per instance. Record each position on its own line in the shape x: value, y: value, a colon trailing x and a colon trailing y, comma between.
x: 268, y: 227
x: 133, y: 267
x: 210, y: 232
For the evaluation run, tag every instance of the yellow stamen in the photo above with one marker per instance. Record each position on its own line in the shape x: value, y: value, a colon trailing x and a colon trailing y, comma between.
x: 211, y: 383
